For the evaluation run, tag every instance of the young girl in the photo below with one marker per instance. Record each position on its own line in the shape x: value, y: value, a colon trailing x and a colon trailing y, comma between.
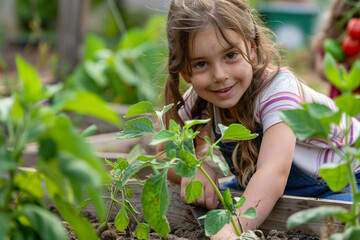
x: 218, y: 47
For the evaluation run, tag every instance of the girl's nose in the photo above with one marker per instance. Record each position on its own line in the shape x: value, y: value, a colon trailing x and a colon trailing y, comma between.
x: 220, y: 73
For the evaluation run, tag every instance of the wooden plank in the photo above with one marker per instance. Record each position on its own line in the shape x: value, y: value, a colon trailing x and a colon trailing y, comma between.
x: 178, y: 212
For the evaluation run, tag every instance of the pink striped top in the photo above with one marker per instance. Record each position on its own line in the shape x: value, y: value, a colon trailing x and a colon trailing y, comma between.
x: 286, y: 92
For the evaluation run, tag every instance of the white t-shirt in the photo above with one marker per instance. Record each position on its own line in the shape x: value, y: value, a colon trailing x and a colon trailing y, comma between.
x: 286, y: 92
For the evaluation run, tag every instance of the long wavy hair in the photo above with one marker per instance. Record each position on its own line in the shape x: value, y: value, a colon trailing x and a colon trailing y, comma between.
x: 185, y: 19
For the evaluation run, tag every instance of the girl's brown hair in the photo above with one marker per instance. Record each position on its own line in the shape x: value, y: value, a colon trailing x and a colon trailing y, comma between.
x: 185, y: 19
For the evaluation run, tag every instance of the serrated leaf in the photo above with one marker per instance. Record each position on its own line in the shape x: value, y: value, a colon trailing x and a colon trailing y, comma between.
x: 193, y: 190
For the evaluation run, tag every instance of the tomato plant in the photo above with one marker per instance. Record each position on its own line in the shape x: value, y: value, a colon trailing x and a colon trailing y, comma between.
x: 350, y: 46
x: 180, y: 155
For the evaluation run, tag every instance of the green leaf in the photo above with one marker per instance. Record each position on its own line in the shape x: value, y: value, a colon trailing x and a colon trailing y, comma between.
x: 78, y: 170
x: 30, y: 183
x: 155, y: 202
x: 140, y: 108
x: 165, y: 109
x: 91, y: 130
x: 239, y: 201
x: 350, y: 104
x: 93, y: 43
x: 304, y: 125
x: 337, y: 236
x: 313, y: 214
x: 227, y: 199
x: 186, y: 168
x: 17, y: 110
x: 47, y: 148
x: 89, y: 103
x: 162, y: 136
x: 142, y: 231
x: 236, y: 132
x: 5, y: 225
x: 352, y: 233
x: 81, y: 225
x: 215, y: 220
x: 71, y: 142
x: 331, y: 71
x: 5, y: 108
x: 353, y: 80
x: 97, y: 72
x: 335, y: 175
x: 190, y: 123
x: 193, y: 191
x: 130, y: 171
x: 44, y: 222
x: 250, y: 213
x: 30, y: 82
x: 142, y: 124
x: 121, y: 220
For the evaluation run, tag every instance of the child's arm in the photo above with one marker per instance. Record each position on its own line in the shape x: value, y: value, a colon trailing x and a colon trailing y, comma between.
x: 268, y: 183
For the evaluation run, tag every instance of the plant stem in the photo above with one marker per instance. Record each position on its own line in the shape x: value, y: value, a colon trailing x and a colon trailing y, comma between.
x: 118, y: 19
x: 351, y: 176
x: 221, y: 197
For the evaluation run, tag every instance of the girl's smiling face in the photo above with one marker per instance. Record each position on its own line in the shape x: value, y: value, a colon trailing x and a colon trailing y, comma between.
x: 220, y: 74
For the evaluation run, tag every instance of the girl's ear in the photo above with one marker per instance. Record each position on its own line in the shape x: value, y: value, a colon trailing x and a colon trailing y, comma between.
x: 185, y: 76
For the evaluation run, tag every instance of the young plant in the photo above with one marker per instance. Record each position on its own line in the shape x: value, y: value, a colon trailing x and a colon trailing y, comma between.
x: 67, y: 169
x: 315, y: 121
x: 122, y: 171
x: 180, y: 155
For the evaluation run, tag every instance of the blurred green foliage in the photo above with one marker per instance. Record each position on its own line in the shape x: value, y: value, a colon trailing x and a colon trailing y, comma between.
x: 129, y: 73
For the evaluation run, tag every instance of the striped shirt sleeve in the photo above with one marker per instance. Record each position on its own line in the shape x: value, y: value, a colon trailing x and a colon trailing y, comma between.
x: 283, y: 93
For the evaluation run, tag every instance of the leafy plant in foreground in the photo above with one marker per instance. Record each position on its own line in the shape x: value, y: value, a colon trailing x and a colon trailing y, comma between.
x: 180, y: 155
x: 314, y: 121
x: 67, y: 167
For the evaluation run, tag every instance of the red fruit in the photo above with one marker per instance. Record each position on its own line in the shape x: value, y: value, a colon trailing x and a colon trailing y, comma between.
x: 350, y: 46
x: 353, y: 28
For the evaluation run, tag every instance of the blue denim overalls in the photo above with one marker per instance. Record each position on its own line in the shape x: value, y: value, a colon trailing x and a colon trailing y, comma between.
x: 299, y: 183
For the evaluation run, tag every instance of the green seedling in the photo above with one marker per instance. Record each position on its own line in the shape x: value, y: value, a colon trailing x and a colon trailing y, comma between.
x: 180, y: 155
x: 120, y: 182
x: 314, y: 121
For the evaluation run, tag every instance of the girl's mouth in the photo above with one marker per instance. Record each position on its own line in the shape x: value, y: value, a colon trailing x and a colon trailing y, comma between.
x: 224, y: 92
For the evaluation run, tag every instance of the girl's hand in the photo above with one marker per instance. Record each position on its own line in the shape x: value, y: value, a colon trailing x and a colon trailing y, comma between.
x: 226, y: 233
x: 209, y: 198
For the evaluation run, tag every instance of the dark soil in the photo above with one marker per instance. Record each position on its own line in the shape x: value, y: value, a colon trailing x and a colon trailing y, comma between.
x: 186, y: 232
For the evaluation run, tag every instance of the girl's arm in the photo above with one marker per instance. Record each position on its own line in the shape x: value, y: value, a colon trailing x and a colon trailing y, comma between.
x: 268, y: 182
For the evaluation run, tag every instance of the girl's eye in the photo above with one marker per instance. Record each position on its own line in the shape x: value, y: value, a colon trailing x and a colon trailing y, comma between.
x: 200, y: 65
x: 231, y: 55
